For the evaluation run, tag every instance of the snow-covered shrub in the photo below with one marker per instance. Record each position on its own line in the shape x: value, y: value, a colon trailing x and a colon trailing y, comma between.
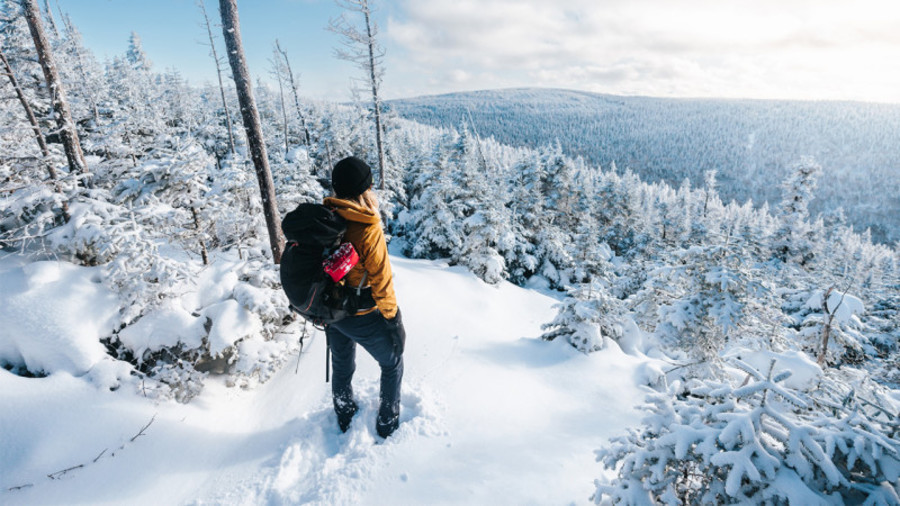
x: 224, y: 319
x: 233, y: 209
x: 259, y: 290
x: 31, y: 204
x: 816, y: 313
x: 587, y: 317
x: 173, y: 375
x: 761, y: 442
x: 485, y: 234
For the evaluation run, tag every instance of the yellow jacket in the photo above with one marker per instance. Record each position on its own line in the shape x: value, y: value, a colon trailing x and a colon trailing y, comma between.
x: 365, y: 234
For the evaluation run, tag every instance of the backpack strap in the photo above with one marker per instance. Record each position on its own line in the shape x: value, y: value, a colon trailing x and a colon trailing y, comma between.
x: 361, y: 283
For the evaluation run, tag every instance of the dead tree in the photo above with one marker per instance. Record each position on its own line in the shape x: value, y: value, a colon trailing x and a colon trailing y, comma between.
x: 67, y: 132
x: 39, y: 137
x: 29, y: 112
x: 277, y: 70
x: 295, y: 90
x: 50, y: 18
x: 231, y: 31
x: 363, y: 49
x: 218, y: 62
x: 829, y: 322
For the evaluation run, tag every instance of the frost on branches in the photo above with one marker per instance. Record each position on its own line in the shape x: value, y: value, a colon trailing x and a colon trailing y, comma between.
x: 710, y: 442
x: 587, y: 317
x: 817, y: 314
x: 708, y: 296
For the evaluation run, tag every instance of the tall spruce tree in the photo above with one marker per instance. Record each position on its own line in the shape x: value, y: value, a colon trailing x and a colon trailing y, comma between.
x: 795, y: 239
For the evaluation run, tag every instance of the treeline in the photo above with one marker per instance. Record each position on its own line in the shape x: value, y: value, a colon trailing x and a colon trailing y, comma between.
x: 749, y: 142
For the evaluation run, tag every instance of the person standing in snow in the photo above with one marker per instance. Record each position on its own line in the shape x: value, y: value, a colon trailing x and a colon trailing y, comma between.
x: 377, y: 328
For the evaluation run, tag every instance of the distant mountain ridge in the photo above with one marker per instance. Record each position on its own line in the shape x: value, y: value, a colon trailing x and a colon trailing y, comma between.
x: 751, y: 143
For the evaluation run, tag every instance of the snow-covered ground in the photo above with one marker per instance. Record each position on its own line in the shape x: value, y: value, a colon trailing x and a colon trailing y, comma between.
x: 490, y: 413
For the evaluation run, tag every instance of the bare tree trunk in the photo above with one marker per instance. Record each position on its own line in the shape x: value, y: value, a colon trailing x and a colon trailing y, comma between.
x: 215, y: 55
x: 45, y: 151
x: 364, y: 51
x: 284, y: 122
x: 232, y: 33
x: 290, y: 72
x: 67, y: 131
x: 28, y: 111
x: 203, y: 252
x: 376, y: 101
x: 826, y: 332
x: 50, y: 18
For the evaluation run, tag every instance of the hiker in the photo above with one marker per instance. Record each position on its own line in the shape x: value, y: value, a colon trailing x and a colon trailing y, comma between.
x: 376, y: 327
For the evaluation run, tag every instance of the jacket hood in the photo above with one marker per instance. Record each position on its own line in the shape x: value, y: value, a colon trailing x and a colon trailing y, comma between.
x: 351, y: 211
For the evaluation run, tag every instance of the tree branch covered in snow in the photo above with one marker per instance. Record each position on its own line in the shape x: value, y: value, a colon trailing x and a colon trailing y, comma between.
x: 708, y: 442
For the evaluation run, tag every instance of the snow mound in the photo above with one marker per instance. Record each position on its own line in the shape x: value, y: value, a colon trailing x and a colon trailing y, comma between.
x: 231, y: 322
x: 164, y: 327
x: 52, y: 316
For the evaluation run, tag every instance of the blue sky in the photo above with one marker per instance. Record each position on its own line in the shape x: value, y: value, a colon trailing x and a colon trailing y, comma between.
x: 794, y: 49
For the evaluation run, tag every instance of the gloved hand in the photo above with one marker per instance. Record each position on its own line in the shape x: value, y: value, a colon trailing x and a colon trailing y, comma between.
x: 397, y: 332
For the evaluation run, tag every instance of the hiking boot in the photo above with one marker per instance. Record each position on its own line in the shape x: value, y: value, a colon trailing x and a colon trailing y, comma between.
x: 385, y: 429
x: 345, y: 416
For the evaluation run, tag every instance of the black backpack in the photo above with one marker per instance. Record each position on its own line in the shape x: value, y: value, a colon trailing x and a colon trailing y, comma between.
x: 313, y: 231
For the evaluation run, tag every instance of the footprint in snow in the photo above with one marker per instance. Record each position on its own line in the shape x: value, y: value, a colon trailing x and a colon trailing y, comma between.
x: 320, y: 465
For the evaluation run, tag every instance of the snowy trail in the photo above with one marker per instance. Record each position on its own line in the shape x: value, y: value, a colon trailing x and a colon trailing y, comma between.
x: 489, y: 415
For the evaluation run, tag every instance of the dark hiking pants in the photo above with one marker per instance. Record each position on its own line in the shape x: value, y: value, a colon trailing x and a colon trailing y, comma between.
x: 370, y: 331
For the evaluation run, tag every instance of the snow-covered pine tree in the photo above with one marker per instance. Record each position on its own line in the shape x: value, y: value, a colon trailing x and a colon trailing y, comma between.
x: 85, y: 77
x: 485, y: 229
x: 589, y: 252
x: 795, y: 239
x: 434, y: 225
x: 705, y: 304
x: 617, y: 204
x: 527, y: 212
x: 135, y: 120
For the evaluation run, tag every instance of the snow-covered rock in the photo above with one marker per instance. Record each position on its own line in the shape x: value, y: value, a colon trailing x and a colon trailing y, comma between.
x: 52, y: 317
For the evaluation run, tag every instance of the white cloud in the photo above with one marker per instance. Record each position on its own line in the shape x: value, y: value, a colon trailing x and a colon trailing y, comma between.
x: 754, y: 48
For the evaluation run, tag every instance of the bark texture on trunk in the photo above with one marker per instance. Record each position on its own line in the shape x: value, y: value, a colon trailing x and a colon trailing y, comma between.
x: 67, y: 132
x: 250, y: 115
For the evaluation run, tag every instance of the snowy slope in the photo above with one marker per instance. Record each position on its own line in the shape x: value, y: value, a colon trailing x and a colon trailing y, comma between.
x: 490, y: 415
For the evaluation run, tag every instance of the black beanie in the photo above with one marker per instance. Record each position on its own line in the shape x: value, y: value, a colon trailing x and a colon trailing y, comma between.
x: 351, y: 177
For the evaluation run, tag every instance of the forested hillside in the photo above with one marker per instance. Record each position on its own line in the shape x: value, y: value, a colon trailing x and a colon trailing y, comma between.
x: 749, y: 142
